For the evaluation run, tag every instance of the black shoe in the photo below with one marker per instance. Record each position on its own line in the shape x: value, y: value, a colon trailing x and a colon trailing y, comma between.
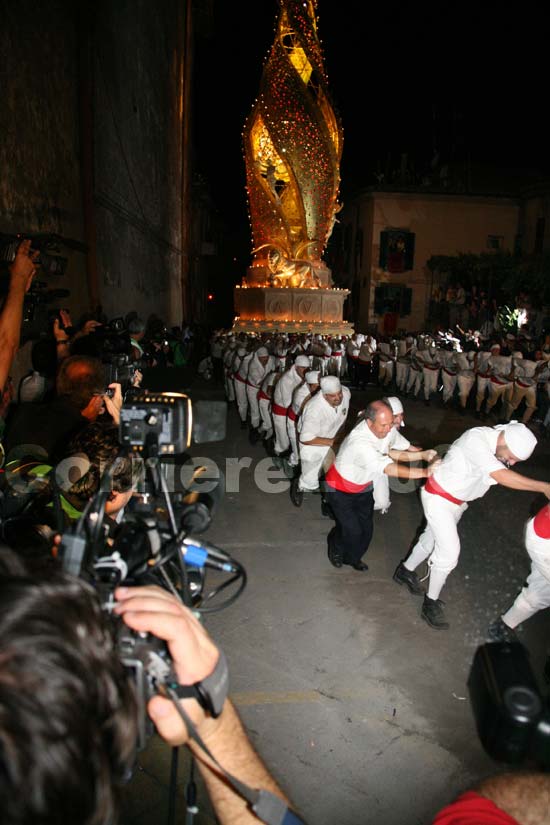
x: 498, y: 631
x: 326, y: 510
x: 296, y: 495
x: 244, y: 425
x: 334, y: 556
x: 409, y: 579
x: 290, y: 470
x: 278, y: 461
x: 360, y: 565
x: 433, y: 613
x: 254, y: 436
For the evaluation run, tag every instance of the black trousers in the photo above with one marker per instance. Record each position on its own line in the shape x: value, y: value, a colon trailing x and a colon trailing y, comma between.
x: 353, y: 513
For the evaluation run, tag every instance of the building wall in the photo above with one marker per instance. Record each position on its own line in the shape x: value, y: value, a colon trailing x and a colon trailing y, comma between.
x: 535, y: 208
x: 133, y: 81
x: 442, y: 225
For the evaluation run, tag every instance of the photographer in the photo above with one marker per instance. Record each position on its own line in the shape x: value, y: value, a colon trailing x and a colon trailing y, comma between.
x: 81, y: 397
x: 67, y: 741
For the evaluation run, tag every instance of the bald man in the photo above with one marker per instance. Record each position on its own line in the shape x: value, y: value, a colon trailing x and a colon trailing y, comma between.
x: 362, y: 457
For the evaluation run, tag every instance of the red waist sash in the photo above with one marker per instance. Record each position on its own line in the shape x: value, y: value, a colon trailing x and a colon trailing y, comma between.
x: 498, y: 381
x: 238, y: 377
x: 541, y: 523
x: 470, y: 808
x: 291, y: 414
x: 338, y: 482
x: 276, y: 409
x: 262, y: 394
x: 433, y: 487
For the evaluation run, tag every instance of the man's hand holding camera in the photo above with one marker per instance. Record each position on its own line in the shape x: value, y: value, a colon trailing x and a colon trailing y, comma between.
x: 194, y: 654
x: 113, y: 403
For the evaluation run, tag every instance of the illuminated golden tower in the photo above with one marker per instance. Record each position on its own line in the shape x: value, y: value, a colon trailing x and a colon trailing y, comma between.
x: 292, y: 151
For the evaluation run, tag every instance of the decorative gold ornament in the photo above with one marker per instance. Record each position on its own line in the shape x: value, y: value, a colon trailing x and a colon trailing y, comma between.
x: 292, y: 148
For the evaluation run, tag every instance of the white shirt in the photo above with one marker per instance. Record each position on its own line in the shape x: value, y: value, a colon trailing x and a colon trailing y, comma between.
x: 362, y: 456
x: 501, y: 366
x: 525, y: 372
x: 300, y: 394
x: 289, y: 380
x: 257, y: 371
x: 320, y: 419
x: 465, y: 471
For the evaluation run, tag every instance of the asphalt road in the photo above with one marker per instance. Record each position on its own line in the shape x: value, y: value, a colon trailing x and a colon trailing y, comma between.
x: 359, y: 708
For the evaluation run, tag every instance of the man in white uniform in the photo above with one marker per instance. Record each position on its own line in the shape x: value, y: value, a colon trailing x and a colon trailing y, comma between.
x: 265, y: 394
x: 321, y: 420
x: 477, y: 460
x: 299, y: 397
x: 363, y: 456
x: 526, y: 374
x: 282, y: 398
x: 535, y: 595
x: 260, y: 365
x: 395, y: 441
x: 239, y: 376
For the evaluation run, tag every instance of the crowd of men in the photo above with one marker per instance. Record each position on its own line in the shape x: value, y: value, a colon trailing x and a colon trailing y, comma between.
x: 289, y: 391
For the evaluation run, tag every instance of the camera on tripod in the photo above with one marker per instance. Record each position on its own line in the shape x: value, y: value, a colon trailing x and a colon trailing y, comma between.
x: 512, y: 717
x: 152, y: 545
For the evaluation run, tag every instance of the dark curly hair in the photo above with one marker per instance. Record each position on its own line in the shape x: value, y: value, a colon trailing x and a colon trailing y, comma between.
x: 98, y: 444
x: 67, y: 712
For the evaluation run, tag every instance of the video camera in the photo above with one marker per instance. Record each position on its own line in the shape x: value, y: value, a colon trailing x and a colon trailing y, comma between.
x: 153, y: 544
x: 512, y: 717
x: 51, y: 265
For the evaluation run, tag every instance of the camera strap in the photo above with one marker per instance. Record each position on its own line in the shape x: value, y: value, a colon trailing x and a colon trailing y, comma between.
x: 268, y: 807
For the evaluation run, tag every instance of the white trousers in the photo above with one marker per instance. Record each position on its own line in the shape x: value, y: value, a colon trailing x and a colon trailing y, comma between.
x: 401, y: 375
x: 281, y: 435
x: 265, y: 414
x: 229, y: 388
x: 518, y: 394
x: 294, y: 458
x: 535, y: 595
x: 311, y: 464
x: 449, y: 384
x: 242, y: 398
x: 430, y: 381
x: 465, y: 381
x: 481, y: 391
x: 499, y: 391
x: 385, y: 372
x: 439, y: 543
x: 252, y: 396
x: 414, y: 380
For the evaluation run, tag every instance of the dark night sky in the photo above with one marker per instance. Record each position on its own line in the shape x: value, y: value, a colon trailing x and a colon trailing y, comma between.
x: 465, y: 75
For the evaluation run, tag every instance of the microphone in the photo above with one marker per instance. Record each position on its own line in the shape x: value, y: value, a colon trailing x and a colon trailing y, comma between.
x: 205, y: 554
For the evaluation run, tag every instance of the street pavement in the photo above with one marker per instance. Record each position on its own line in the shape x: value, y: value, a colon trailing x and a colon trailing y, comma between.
x: 358, y: 707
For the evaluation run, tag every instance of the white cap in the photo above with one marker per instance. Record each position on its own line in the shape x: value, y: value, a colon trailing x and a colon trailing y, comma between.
x: 519, y: 439
x: 302, y: 361
x: 330, y: 384
x: 262, y: 351
x: 241, y: 351
x: 494, y: 346
x: 517, y: 355
x: 312, y: 377
x: 396, y: 405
